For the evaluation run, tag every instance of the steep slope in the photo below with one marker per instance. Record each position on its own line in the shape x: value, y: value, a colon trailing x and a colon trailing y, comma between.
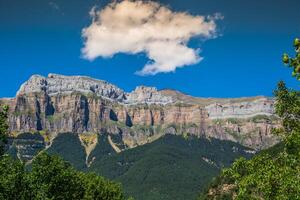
x: 159, y: 144
x: 82, y: 105
x: 68, y: 146
x: 172, y: 167
x: 25, y: 146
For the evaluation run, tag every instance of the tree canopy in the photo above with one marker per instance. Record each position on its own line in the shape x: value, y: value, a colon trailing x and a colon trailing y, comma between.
x: 52, y: 178
x: 294, y: 62
x: 273, y: 174
x: 3, y: 127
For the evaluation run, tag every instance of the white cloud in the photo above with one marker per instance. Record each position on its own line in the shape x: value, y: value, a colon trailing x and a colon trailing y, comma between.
x: 144, y: 26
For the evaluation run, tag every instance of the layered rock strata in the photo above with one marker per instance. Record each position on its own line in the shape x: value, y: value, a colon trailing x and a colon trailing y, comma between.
x: 56, y: 104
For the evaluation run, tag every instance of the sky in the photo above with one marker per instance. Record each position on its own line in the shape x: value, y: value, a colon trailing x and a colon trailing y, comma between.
x: 205, y: 48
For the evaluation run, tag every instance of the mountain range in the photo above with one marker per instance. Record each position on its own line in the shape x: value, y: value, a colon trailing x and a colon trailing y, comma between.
x: 160, y: 144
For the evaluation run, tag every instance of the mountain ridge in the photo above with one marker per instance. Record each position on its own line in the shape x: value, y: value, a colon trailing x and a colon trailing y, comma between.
x: 139, y: 138
x: 177, y: 95
x: 85, y: 106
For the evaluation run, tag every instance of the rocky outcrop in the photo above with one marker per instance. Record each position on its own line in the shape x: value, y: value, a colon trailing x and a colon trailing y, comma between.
x: 261, y: 106
x: 77, y: 104
x: 58, y: 84
x: 148, y: 95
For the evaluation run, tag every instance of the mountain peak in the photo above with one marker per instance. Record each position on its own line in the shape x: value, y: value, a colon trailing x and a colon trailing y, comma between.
x: 149, y: 95
x: 60, y: 84
x: 55, y: 84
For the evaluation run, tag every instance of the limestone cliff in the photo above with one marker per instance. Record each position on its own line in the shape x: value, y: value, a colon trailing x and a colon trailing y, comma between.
x: 81, y: 105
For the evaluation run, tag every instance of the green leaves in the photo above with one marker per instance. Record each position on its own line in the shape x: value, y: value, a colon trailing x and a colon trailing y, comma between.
x: 13, y: 182
x: 271, y: 175
x: 3, y: 127
x: 274, y: 176
x: 52, y: 178
x: 97, y: 187
x: 285, y: 59
x: 294, y: 63
x: 287, y: 107
x: 297, y: 43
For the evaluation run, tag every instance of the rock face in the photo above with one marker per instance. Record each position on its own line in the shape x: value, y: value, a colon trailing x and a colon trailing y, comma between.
x: 57, y: 104
x: 147, y: 95
x: 262, y: 106
x: 58, y: 84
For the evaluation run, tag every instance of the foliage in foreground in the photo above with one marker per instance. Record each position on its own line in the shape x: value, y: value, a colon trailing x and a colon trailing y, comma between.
x: 272, y: 174
x: 49, y: 177
x: 294, y: 63
x: 3, y: 128
x: 52, y: 178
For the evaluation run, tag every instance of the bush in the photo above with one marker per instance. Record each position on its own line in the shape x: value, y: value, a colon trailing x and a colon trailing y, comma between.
x: 52, y: 178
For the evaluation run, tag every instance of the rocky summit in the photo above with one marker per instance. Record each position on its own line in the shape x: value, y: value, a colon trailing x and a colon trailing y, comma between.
x: 56, y: 84
x: 86, y: 107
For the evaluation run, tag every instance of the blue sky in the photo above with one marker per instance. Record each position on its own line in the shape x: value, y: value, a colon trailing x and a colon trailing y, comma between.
x: 41, y: 37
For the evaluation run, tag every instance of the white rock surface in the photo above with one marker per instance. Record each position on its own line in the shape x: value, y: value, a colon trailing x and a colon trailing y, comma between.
x: 262, y: 106
x: 148, y: 95
x: 58, y: 84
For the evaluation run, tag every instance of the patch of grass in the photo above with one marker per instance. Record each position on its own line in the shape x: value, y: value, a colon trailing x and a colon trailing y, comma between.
x: 88, y: 138
x: 234, y: 120
x: 218, y: 121
x: 182, y: 104
x: 25, y: 112
x: 264, y: 118
x: 235, y: 134
x: 54, y: 118
x: 115, y: 123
